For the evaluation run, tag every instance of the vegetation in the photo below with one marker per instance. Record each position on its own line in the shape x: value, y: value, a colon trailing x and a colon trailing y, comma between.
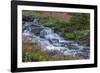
x: 32, y: 52
x: 76, y: 28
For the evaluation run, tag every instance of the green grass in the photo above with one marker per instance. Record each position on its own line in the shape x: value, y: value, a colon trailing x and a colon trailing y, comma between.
x: 76, y: 35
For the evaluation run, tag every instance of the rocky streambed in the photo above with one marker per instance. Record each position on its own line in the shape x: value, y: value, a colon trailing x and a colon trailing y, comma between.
x: 51, y: 43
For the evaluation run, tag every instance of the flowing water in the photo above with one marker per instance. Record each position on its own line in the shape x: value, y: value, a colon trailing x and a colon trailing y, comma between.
x: 47, y: 39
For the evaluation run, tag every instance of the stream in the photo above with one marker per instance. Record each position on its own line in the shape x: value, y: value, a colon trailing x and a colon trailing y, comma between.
x: 47, y: 39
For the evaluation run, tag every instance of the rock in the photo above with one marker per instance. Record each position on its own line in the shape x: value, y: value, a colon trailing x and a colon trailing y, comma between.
x: 26, y: 39
x: 58, y: 56
x: 27, y: 18
x: 51, y: 52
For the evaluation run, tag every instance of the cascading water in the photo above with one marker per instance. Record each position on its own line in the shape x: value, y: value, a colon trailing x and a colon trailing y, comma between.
x: 47, y: 39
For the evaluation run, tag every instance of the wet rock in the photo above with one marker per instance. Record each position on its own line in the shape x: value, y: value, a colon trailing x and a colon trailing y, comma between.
x: 27, y: 18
